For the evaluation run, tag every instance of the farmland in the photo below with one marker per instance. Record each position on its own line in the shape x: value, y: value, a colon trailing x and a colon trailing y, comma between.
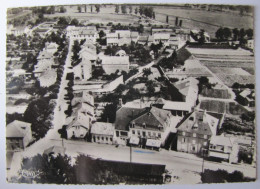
x: 195, y: 19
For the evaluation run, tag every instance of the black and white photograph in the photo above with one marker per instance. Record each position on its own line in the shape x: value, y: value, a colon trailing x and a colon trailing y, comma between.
x: 130, y: 94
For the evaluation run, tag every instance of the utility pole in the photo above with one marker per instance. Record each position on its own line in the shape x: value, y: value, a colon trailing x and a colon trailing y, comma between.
x: 130, y: 153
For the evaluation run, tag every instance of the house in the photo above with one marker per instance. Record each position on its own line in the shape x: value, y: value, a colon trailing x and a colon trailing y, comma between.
x: 82, y: 32
x: 78, y: 125
x: 250, y: 44
x: 143, y: 39
x: 51, y: 47
x: 123, y: 117
x: 18, y: 30
x: 222, y: 147
x: 121, y: 37
x: 161, y: 37
x: 152, y: 127
x: 184, y: 98
x: 162, y: 30
x: 246, y: 98
x: 83, y: 71
x: 18, y: 135
x: 111, y: 64
x: 121, y: 53
x: 194, y: 132
x: 102, y: 132
x: 47, y: 78
x: 83, y: 101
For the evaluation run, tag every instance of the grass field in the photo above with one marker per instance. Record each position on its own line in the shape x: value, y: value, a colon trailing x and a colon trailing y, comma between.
x: 200, y: 19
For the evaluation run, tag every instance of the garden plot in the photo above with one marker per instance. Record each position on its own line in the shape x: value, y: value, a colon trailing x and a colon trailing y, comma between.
x: 229, y: 71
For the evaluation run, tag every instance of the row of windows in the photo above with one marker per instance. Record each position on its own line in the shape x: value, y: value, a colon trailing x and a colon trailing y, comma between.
x: 83, y: 35
x: 194, y: 135
x: 103, y: 138
x: 144, y: 133
x: 183, y: 140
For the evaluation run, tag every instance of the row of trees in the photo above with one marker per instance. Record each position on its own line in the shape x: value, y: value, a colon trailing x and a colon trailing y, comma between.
x: 59, y: 170
x: 236, y: 34
x: 85, y: 8
x: 142, y: 10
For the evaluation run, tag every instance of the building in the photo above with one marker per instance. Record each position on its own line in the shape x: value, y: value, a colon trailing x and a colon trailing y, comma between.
x: 246, y: 98
x: 102, y: 132
x: 162, y: 30
x: 18, y: 30
x: 83, y: 71
x: 82, y: 32
x: 111, y: 64
x: 121, y: 37
x: 84, y: 101
x: 161, y: 37
x: 18, y: 135
x: 123, y: 117
x: 78, y: 125
x: 222, y: 147
x: 250, y: 44
x: 152, y: 128
x: 194, y: 132
x: 185, y: 94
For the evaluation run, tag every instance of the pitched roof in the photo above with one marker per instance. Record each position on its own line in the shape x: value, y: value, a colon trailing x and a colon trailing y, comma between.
x: 17, y: 129
x: 80, y: 119
x: 221, y: 140
x: 102, y: 128
x: 114, y: 60
x: 153, y: 118
x: 199, y: 122
x: 124, y: 115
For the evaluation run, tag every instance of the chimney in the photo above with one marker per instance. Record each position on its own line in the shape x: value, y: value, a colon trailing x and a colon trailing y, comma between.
x: 180, y: 24
x: 120, y: 102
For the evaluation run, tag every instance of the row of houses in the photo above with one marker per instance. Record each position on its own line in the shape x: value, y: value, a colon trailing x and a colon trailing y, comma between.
x: 45, y: 69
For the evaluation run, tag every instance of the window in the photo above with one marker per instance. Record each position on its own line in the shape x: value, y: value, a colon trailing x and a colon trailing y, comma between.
x: 106, y: 139
x: 138, y: 132
x: 102, y: 138
x: 183, y: 140
x: 144, y: 133
x: 149, y: 133
x: 159, y: 135
x: 183, y: 133
x: 191, y: 118
x: 194, y: 135
x: 111, y: 139
x: 205, y: 136
x: 133, y: 131
x: 98, y: 137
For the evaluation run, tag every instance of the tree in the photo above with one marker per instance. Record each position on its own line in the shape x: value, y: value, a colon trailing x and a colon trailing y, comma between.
x: 235, y: 34
x: 101, y: 34
x: 154, y: 15
x: 79, y: 8
x: 167, y: 19
x: 85, y: 8
x: 220, y: 34
x: 63, y: 21
x: 97, y: 8
x: 74, y: 22
x: 117, y: 9
x: 227, y: 33
x: 109, y: 113
x: 130, y: 9
x: 62, y: 9
x: 136, y: 10
x: 147, y: 72
x: 141, y: 10
x: 91, y: 8
x: 250, y: 33
x: 202, y: 38
x: 123, y: 9
x: 52, y: 169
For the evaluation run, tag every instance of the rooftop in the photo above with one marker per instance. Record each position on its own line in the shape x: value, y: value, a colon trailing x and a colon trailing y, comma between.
x: 102, y: 128
x: 17, y: 129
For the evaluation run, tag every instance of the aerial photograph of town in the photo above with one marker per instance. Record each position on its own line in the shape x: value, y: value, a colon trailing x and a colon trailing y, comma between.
x: 130, y: 94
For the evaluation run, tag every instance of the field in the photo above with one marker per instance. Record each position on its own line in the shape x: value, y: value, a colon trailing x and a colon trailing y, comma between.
x: 106, y: 14
x: 200, y: 19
